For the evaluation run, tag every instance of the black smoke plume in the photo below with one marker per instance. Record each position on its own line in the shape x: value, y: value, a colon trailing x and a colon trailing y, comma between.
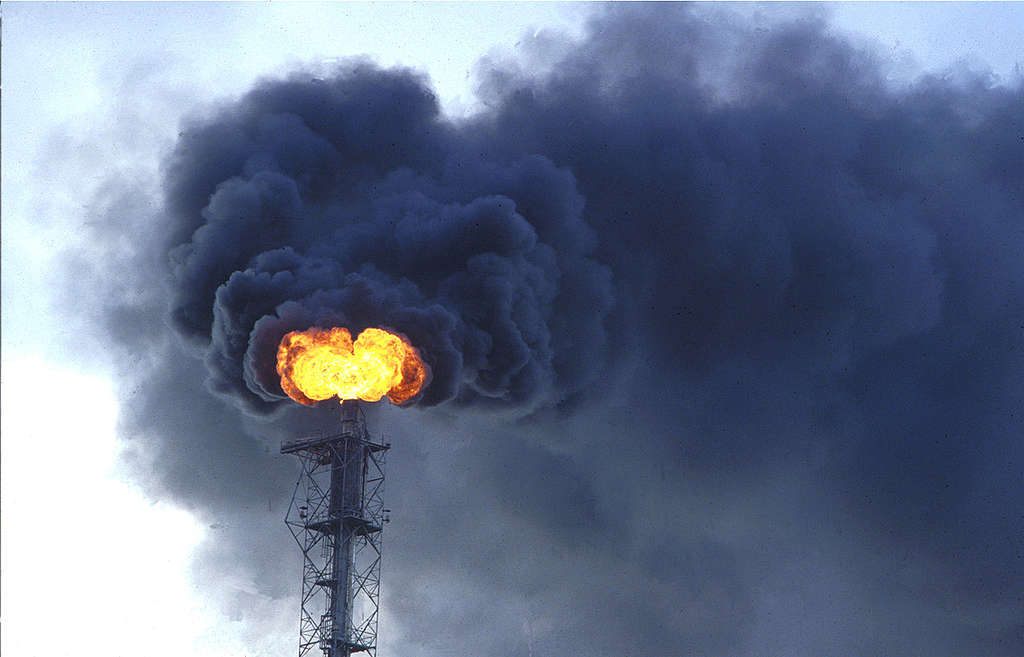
x: 774, y: 300
x: 351, y: 201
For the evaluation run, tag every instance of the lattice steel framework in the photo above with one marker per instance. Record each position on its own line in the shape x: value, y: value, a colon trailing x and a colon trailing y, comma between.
x: 336, y: 516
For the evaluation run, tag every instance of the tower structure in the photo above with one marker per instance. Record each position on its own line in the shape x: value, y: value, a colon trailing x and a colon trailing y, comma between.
x: 336, y: 516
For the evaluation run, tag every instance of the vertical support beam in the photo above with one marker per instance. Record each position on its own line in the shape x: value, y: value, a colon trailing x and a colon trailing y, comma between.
x: 346, y: 513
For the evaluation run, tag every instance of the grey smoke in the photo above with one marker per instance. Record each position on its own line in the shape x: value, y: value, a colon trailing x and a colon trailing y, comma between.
x: 727, y: 337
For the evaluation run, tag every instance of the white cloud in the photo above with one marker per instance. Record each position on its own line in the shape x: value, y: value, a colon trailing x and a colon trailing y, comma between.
x: 90, y: 566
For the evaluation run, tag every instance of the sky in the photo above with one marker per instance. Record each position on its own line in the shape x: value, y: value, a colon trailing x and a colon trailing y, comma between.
x: 723, y: 304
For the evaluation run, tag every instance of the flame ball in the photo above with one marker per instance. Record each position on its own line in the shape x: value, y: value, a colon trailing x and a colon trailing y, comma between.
x: 318, y: 364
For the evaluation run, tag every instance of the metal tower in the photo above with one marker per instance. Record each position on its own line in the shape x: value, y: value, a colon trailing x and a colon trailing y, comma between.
x: 336, y: 516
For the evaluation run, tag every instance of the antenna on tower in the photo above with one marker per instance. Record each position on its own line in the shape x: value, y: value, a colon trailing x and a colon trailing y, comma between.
x: 336, y: 516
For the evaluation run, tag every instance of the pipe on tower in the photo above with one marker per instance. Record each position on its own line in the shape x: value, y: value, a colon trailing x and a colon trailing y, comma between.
x: 346, y: 513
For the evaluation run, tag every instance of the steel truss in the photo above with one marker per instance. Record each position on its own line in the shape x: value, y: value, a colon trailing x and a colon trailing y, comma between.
x: 336, y: 516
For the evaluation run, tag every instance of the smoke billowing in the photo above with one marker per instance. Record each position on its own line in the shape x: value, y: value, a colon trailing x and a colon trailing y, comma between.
x: 775, y: 302
x: 350, y: 201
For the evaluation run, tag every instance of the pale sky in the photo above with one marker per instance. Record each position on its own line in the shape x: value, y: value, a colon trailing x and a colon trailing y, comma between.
x: 91, y: 89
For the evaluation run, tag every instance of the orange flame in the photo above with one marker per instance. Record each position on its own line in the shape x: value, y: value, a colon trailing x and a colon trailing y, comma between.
x: 318, y: 364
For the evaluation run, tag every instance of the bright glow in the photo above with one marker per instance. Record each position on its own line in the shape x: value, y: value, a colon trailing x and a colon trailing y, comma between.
x: 318, y: 364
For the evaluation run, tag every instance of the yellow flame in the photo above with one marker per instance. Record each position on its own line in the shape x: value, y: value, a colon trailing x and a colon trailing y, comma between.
x: 318, y: 364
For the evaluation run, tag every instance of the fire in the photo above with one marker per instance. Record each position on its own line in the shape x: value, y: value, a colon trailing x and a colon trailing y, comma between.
x: 318, y: 364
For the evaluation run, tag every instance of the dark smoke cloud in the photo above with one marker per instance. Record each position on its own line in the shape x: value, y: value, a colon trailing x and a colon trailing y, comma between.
x: 760, y: 315
x: 352, y: 201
